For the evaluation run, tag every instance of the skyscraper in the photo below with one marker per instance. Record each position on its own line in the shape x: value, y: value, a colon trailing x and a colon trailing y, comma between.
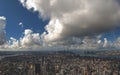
x: 31, y: 70
x: 37, y: 69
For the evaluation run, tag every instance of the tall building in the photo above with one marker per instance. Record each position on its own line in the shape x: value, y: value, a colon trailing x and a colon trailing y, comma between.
x: 37, y: 69
x: 43, y: 66
x: 34, y: 69
x: 31, y: 70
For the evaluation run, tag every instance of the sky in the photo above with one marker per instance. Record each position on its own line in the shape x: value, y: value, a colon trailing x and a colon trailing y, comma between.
x: 73, y: 24
x: 15, y: 13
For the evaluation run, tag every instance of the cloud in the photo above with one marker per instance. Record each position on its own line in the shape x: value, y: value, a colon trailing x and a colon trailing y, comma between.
x: 105, y: 42
x: 36, y: 41
x: 20, y: 24
x: 2, y: 30
x: 91, y: 43
x: 116, y: 43
x: 75, y: 18
x: 74, y: 24
x: 13, y: 43
x: 30, y: 39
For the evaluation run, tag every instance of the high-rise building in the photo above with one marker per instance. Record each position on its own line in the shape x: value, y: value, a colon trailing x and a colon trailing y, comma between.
x: 43, y: 66
x: 37, y: 69
x: 31, y: 70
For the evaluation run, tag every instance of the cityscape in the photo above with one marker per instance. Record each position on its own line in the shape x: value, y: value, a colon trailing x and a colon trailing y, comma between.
x: 59, y: 37
x: 59, y: 63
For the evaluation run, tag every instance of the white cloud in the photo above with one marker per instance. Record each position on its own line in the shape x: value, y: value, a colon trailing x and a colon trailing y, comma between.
x: 91, y: 43
x: 2, y: 30
x: 105, y: 42
x: 99, y: 41
x: 30, y: 39
x: 28, y: 32
x: 75, y: 18
x: 20, y: 24
x: 73, y: 22
x: 13, y: 43
x: 116, y: 43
